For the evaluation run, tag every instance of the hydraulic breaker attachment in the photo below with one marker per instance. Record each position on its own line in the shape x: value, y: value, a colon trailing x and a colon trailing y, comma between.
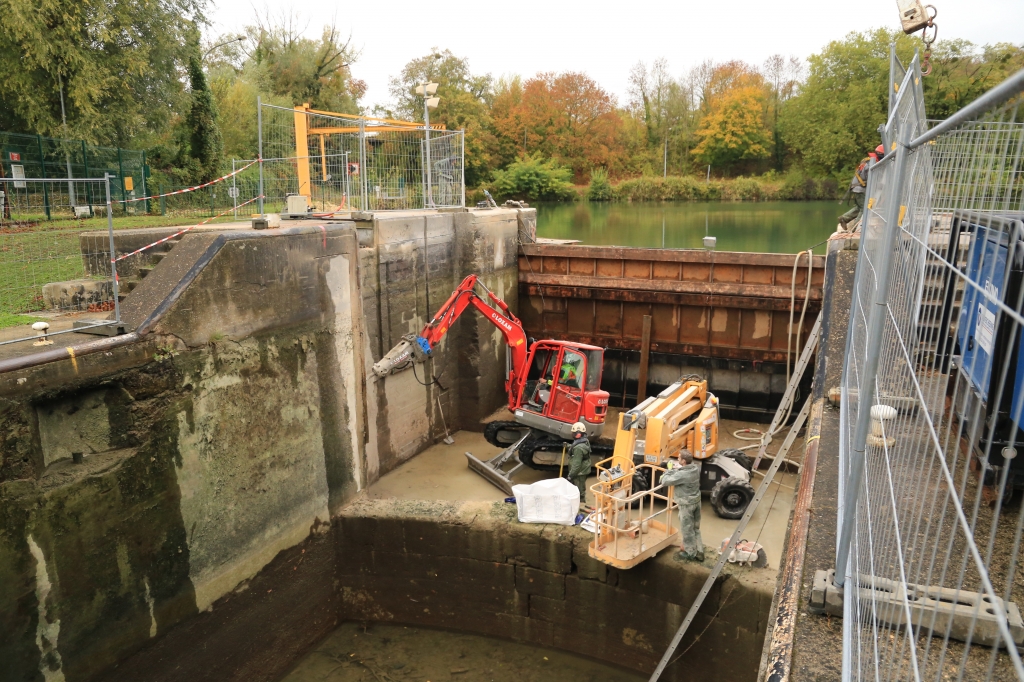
x: 411, y: 348
x: 492, y: 468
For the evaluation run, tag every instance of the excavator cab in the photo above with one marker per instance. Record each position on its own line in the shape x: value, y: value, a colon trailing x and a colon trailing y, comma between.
x: 562, y: 386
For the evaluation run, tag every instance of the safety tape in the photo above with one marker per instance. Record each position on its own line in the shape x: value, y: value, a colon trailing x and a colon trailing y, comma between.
x: 187, y: 189
x: 181, y: 232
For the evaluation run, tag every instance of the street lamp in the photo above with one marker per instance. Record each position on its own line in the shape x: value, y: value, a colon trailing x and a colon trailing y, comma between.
x: 427, y: 91
x: 236, y: 39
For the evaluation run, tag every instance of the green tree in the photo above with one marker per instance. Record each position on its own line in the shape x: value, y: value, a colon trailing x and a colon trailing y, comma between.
x: 833, y: 122
x: 205, y: 145
x: 465, y: 105
x: 278, y: 64
x: 534, y: 178
x: 119, y: 62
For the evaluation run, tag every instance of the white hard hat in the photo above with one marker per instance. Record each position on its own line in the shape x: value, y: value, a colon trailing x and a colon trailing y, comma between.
x: 579, y: 427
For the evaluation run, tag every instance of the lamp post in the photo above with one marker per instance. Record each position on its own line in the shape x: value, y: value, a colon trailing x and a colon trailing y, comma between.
x: 426, y: 91
x: 236, y: 39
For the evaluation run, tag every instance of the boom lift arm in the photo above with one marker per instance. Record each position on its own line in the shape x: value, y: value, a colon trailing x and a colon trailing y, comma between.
x: 418, y: 347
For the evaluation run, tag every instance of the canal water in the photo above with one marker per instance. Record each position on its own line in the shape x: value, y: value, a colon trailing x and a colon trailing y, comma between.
x: 393, y: 653
x: 770, y: 226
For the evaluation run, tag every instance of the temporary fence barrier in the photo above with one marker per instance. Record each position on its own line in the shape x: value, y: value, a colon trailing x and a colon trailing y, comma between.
x: 36, y: 156
x: 339, y: 161
x: 56, y: 246
x: 931, y: 518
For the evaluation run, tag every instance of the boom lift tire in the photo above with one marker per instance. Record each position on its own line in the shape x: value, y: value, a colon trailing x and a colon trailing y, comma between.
x: 739, y: 456
x: 730, y: 497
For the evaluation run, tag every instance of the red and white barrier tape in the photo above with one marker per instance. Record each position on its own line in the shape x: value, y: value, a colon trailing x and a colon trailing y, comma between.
x: 187, y: 189
x: 181, y: 232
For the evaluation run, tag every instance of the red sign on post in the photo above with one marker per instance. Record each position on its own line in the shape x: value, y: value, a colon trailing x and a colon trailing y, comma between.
x: 15, y: 156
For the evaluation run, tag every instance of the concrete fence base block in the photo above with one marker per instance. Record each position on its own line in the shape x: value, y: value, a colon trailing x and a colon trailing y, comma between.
x: 77, y: 294
x: 961, y: 613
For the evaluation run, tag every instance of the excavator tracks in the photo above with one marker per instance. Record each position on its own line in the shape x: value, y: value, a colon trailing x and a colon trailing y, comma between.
x: 545, y: 453
x: 501, y: 434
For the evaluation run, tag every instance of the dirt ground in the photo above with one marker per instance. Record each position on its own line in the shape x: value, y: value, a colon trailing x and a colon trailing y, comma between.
x: 441, y: 473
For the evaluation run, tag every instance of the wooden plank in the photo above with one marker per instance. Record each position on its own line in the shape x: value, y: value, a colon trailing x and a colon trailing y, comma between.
x: 645, y: 358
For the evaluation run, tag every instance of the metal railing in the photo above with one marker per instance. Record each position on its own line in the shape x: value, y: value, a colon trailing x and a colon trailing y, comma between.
x: 56, y: 241
x: 350, y: 162
x: 931, y: 517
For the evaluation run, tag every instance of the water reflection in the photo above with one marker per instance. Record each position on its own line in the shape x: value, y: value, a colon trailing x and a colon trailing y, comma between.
x: 775, y: 226
x: 393, y: 653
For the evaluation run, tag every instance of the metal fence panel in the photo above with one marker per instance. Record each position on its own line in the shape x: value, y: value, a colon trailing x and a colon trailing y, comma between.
x: 55, y: 253
x: 933, y: 387
x: 351, y: 162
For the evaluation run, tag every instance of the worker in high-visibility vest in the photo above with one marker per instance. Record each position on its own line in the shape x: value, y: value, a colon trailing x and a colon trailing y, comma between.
x: 858, y: 186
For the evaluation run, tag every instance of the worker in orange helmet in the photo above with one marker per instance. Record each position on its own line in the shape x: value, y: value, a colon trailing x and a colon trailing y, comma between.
x: 858, y: 185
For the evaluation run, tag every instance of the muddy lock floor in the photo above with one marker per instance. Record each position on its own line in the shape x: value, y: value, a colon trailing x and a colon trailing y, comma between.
x: 393, y: 653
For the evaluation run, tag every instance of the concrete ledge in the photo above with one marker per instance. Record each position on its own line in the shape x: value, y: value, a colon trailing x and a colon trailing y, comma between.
x: 472, y: 566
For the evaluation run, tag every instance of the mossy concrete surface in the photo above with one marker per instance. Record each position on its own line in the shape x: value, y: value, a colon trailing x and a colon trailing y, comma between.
x: 146, y: 491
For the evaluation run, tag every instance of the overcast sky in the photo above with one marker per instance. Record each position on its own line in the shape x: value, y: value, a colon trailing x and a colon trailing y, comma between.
x: 605, y: 38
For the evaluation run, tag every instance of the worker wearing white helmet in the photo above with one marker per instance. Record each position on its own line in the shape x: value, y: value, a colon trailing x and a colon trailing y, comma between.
x: 579, y: 459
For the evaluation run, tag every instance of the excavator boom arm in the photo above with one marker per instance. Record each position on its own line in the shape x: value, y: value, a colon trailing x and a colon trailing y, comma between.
x: 496, y: 312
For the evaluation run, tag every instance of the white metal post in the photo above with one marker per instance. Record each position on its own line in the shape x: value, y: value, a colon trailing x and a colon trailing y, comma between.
x: 426, y: 119
x: 362, y: 165
x: 234, y: 190
x: 259, y: 142
x: 462, y: 166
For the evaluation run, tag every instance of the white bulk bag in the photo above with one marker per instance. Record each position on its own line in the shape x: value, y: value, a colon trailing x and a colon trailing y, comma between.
x: 555, y: 500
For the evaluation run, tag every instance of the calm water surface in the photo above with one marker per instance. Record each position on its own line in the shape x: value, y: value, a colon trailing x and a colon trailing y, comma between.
x: 392, y: 653
x: 770, y: 226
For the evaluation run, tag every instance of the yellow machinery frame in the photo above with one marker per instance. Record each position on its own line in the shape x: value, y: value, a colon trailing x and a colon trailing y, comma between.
x: 303, y: 131
x: 661, y: 427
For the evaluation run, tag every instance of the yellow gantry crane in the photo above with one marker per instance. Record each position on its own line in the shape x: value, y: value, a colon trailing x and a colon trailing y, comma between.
x: 304, y: 116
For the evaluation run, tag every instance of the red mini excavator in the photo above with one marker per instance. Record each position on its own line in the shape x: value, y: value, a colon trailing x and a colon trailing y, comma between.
x: 550, y: 384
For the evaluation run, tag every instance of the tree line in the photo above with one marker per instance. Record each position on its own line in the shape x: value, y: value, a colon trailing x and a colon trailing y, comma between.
x: 146, y: 79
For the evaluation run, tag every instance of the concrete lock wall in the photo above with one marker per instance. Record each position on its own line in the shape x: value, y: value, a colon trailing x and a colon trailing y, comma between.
x: 219, y: 447
x: 471, y: 566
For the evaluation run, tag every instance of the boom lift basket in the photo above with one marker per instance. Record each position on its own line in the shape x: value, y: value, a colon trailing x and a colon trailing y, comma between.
x: 630, y: 527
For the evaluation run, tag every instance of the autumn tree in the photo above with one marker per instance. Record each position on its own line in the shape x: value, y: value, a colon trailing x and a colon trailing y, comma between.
x: 465, y: 104
x: 567, y: 117
x: 733, y: 134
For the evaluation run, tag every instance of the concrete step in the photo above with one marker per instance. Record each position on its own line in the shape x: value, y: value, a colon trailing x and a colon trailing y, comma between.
x: 156, y: 257
x: 129, y: 285
x: 145, y: 270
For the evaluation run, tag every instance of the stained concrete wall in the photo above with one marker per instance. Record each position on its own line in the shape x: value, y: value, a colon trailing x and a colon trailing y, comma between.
x: 224, y: 442
x: 473, y: 567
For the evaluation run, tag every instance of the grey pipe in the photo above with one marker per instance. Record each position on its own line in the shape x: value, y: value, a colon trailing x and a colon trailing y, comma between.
x: 56, y: 354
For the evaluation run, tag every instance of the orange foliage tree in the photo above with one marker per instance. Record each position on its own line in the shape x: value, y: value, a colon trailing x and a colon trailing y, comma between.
x: 567, y: 117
